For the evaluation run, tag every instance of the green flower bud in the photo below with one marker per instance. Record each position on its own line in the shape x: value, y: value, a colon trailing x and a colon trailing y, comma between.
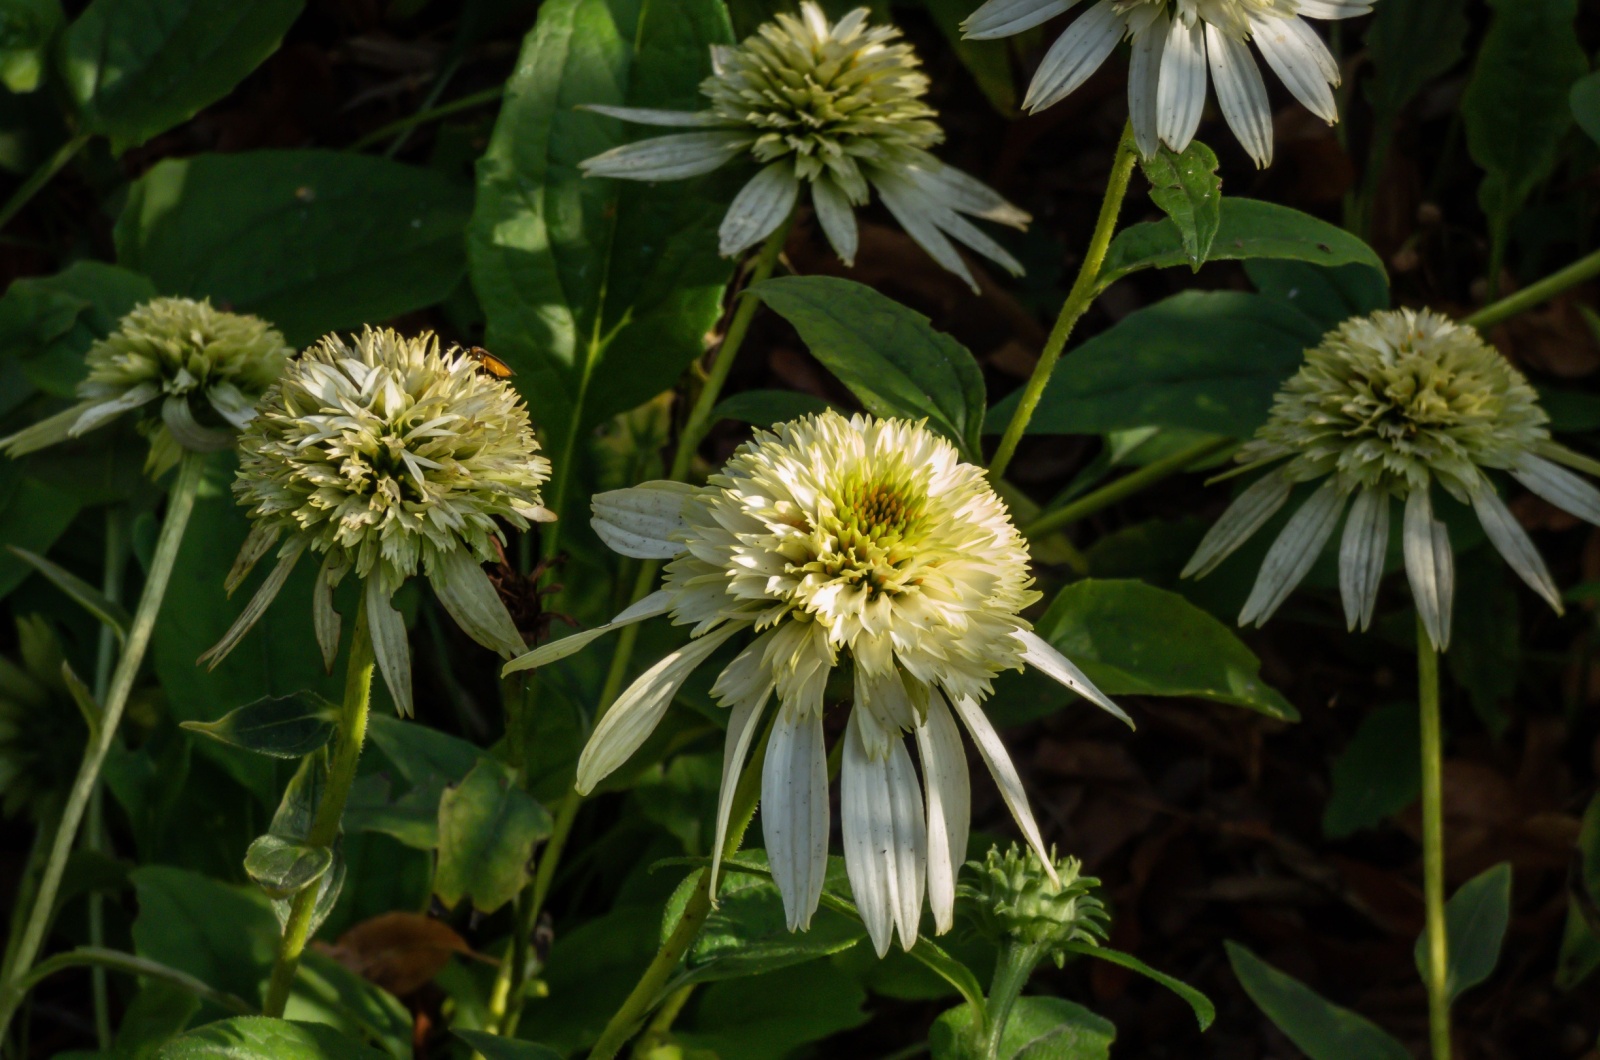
x: 1012, y: 899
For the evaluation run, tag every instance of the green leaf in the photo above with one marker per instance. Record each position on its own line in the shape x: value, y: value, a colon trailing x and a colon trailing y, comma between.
x: 49, y: 322
x: 1475, y: 919
x: 220, y: 934
x: 746, y: 934
x: 598, y: 292
x: 33, y: 515
x: 1247, y: 228
x: 1204, y: 1011
x: 283, y: 868
x: 1580, y: 940
x: 1516, y: 105
x: 86, y: 596
x: 262, y: 1038
x: 763, y: 408
x: 1409, y: 43
x: 590, y: 971
x: 327, y: 992
x: 891, y: 358
x: 488, y: 828
x: 313, y: 241
x: 1189, y: 191
x: 1585, y: 102
x: 292, y: 822
x: 1135, y: 639
x: 154, y: 972
x: 136, y: 68
x: 1039, y: 1028
x: 1322, y: 1030
x: 1203, y: 360
x: 770, y: 1017
x: 159, y: 1011
x: 280, y: 726
x: 1328, y: 296
x: 27, y: 28
x: 1378, y: 774
x: 494, y: 1047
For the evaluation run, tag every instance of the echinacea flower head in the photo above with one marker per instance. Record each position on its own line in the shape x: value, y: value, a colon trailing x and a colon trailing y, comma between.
x: 41, y: 730
x: 1174, y: 42
x: 1013, y: 898
x: 1384, y: 407
x: 837, y: 107
x: 387, y: 455
x: 206, y: 368
x: 853, y: 545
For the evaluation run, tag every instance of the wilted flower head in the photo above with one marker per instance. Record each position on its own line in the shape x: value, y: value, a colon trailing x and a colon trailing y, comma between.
x: 385, y: 455
x: 41, y: 730
x: 1173, y: 43
x: 206, y: 367
x: 1382, y: 408
x: 1014, y: 898
x: 858, y: 543
x: 836, y: 106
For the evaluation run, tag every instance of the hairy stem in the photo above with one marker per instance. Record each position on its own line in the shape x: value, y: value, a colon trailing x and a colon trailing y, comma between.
x: 1584, y: 268
x: 180, y: 505
x: 1082, y: 295
x: 1012, y: 968
x: 1124, y: 487
x: 1433, y: 846
x: 325, y: 825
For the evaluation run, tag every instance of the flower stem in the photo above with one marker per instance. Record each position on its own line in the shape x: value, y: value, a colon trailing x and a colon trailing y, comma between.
x: 1012, y: 968
x: 1124, y: 487
x: 531, y: 903
x: 325, y: 825
x: 1584, y: 268
x: 41, y: 177
x: 116, y: 558
x: 423, y: 117
x: 1433, y: 845
x: 1082, y: 295
x: 646, y: 992
x: 180, y: 505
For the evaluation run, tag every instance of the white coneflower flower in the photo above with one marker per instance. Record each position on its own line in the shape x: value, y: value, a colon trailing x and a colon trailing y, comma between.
x: 206, y: 367
x: 384, y: 456
x: 1383, y: 407
x: 1174, y: 41
x: 856, y: 542
x: 838, y: 107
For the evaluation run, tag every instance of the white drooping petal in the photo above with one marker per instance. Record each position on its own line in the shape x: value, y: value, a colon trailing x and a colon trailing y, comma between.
x: 629, y: 721
x: 257, y: 543
x: 1003, y: 18
x: 470, y: 598
x: 1241, y: 94
x: 1248, y: 513
x: 1076, y: 54
x: 649, y: 116
x: 48, y: 431
x: 324, y: 617
x: 657, y: 603
x: 1559, y: 486
x: 1361, y: 554
x: 837, y: 218
x: 909, y: 207
x: 1430, y: 566
x: 760, y: 207
x: 1042, y: 656
x: 187, y: 431
x: 1301, y: 61
x: 885, y: 843
x: 939, y: 202
x: 994, y: 755
x: 102, y: 412
x: 743, y: 723
x: 1144, y: 84
x: 1512, y: 542
x: 966, y: 193
x: 1293, y: 553
x: 1334, y: 9
x: 1181, y: 94
x: 794, y: 813
x: 255, y: 608
x: 641, y: 521
x: 667, y: 157
x: 949, y: 795
x: 390, y: 647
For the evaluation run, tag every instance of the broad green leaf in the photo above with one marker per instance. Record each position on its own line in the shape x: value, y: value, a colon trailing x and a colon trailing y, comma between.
x: 771, y: 1016
x: 427, y: 761
x: 1585, y: 102
x: 282, y: 867
x: 1202, y: 360
x: 1322, y: 1030
x: 890, y: 357
x: 1204, y: 1011
x: 598, y: 292
x: 1580, y: 940
x: 86, y: 596
x: 159, y: 1011
x: 136, y: 68
x: 1516, y: 107
x: 280, y: 726
x: 488, y: 828
x: 1248, y: 228
x: 220, y: 934
x: 494, y: 1047
x: 590, y: 971
x: 1475, y: 919
x: 1189, y: 192
x: 763, y: 408
x: 49, y: 322
x: 1377, y: 775
x: 27, y: 28
x: 262, y: 1038
x: 327, y: 992
x: 1409, y: 43
x: 1328, y: 296
x: 292, y: 823
x: 1135, y: 639
x: 33, y: 515
x: 312, y: 241
x: 1039, y: 1028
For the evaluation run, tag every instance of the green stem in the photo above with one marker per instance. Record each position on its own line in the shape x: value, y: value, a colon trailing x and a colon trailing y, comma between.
x: 647, y: 991
x: 41, y: 177
x: 325, y: 825
x: 180, y: 504
x: 95, y: 835
x: 1124, y: 487
x: 1014, y: 965
x: 529, y: 906
x: 1082, y: 295
x: 1584, y: 268
x: 423, y: 117
x: 1433, y: 845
